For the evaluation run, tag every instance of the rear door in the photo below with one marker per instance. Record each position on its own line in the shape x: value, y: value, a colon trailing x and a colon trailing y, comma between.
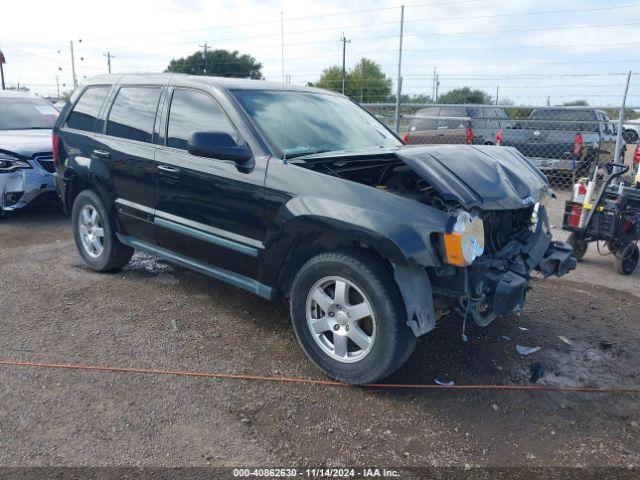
x: 125, y: 147
x: 207, y: 209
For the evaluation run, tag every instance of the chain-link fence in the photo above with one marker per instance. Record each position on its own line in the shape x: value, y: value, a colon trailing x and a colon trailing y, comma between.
x: 566, y: 143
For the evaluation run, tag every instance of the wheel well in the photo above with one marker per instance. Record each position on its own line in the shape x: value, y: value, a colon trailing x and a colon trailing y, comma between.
x: 303, y: 250
x: 76, y: 185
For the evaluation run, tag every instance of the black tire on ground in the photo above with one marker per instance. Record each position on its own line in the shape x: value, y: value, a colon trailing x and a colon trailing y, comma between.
x: 114, y: 254
x: 394, y: 341
x: 626, y: 260
x: 579, y: 246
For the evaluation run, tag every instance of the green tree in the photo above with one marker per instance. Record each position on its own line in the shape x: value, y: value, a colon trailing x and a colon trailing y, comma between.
x: 466, y: 95
x: 364, y: 82
x: 219, y: 63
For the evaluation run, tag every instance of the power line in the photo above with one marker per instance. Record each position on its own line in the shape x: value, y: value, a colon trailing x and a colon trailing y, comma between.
x: 268, y: 22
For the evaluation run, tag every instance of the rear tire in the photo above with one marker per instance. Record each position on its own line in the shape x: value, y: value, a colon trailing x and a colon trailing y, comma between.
x: 95, y: 236
x: 584, y: 168
x: 328, y: 330
x: 579, y: 246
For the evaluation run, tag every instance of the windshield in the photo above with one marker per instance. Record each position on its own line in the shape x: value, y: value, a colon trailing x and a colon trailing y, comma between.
x: 26, y: 113
x: 312, y: 122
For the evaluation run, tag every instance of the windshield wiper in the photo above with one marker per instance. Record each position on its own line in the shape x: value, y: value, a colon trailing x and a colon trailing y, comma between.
x: 308, y: 152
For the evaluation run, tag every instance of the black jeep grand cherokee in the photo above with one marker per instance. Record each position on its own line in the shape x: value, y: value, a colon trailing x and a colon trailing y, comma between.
x: 300, y: 193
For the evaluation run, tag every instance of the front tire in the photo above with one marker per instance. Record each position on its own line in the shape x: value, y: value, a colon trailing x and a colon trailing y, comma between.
x: 95, y: 236
x: 349, y: 317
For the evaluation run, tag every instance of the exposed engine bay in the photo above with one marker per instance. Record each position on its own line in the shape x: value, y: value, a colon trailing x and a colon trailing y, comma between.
x: 388, y: 174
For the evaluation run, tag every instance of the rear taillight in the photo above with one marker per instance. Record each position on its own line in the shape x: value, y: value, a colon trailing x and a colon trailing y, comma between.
x: 499, y: 138
x: 405, y: 139
x: 56, y: 143
x: 636, y: 155
x: 578, y: 144
x: 469, y: 135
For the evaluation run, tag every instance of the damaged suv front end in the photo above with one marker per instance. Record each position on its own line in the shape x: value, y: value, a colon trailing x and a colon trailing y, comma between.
x: 492, y: 230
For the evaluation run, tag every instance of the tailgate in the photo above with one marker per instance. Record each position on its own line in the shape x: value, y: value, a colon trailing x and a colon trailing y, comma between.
x: 441, y: 136
x: 540, y: 143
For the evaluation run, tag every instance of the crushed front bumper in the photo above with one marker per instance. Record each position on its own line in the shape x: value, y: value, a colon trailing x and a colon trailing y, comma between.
x: 498, y: 283
x: 26, y: 186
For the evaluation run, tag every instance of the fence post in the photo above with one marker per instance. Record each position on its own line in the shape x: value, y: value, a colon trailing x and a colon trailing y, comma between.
x: 399, y: 92
x: 619, y: 137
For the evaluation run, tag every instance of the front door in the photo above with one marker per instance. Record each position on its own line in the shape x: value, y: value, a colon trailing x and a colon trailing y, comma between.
x: 209, y: 210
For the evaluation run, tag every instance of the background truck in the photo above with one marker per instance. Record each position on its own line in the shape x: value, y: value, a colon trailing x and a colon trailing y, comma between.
x: 570, y: 139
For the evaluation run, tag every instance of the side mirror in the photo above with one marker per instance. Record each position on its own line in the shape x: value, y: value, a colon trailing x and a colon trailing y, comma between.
x: 220, y: 145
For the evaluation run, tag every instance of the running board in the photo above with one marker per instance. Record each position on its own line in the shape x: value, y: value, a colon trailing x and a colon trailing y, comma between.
x: 235, y: 279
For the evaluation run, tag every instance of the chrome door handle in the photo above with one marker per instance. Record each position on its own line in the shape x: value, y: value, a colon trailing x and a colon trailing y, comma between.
x: 102, y: 153
x: 168, y: 169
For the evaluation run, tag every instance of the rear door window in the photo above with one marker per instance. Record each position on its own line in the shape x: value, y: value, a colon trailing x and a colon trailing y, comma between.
x: 133, y: 113
x: 194, y: 111
x: 84, y: 113
x: 453, y: 117
x: 428, y: 120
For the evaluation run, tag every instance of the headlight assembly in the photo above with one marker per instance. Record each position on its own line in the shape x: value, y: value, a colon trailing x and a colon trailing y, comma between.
x: 9, y: 163
x: 465, y: 242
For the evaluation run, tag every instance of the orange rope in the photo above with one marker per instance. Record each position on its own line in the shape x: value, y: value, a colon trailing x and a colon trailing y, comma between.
x: 308, y: 381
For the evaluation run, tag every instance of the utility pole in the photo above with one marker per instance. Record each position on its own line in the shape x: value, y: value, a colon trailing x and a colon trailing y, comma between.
x: 437, y: 86
x: 497, y: 93
x: 399, y: 91
x: 433, y: 84
x: 73, y: 67
x: 109, y: 57
x: 2, y: 62
x: 344, y: 56
x: 205, y: 47
x: 58, y: 86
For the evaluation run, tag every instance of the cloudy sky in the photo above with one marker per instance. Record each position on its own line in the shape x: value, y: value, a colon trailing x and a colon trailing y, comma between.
x: 575, y: 49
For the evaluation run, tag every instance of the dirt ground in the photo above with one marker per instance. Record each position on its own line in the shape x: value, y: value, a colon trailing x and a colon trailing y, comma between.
x: 153, y: 315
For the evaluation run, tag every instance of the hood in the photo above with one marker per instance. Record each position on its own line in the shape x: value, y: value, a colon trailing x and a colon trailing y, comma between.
x: 26, y: 142
x: 486, y: 177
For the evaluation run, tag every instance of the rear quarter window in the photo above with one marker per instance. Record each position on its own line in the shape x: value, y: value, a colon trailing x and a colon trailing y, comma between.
x: 133, y: 113
x: 85, y: 112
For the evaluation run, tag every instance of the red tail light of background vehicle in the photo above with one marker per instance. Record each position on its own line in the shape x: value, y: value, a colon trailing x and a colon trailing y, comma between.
x: 499, y: 138
x: 55, y: 141
x: 578, y: 145
x: 636, y: 155
x: 469, y: 135
x: 405, y: 139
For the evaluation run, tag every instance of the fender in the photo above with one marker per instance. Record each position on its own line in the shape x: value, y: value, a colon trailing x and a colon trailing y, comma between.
x: 308, y: 224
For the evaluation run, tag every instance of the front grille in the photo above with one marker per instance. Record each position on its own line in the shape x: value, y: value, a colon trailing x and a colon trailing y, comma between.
x: 46, y: 162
